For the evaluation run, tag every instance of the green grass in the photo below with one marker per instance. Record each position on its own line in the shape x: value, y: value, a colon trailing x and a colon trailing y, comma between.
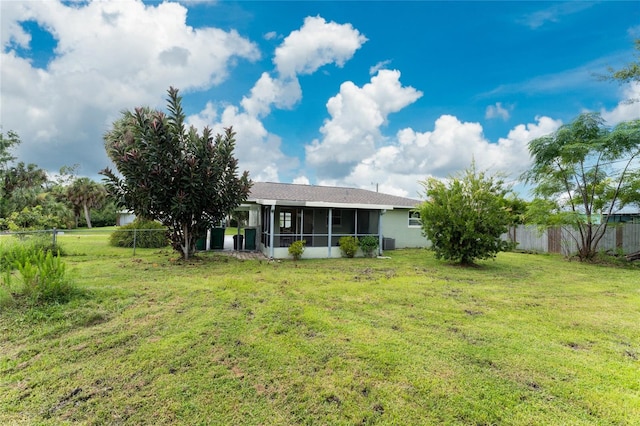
x: 231, y: 230
x: 526, y: 339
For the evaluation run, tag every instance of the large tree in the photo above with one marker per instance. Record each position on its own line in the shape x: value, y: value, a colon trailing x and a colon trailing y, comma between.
x: 585, y: 171
x: 186, y: 180
x: 85, y: 194
x: 25, y: 198
x: 7, y: 142
x: 465, y: 217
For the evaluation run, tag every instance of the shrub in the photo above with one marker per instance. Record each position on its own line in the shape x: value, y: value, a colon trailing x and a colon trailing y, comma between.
x: 465, y: 217
x: 369, y: 245
x: 37, y: 217
x: 6, y: 298
x: 147, y: 234
x: 297, y: 248
x: 24, y: 247
x: 43, y: 277
x: 348, y: 246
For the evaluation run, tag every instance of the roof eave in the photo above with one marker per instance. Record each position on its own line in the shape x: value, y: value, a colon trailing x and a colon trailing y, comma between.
x: 324, y: 204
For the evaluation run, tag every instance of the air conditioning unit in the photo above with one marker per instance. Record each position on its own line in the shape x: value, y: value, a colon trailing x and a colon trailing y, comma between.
x: 388, y: 243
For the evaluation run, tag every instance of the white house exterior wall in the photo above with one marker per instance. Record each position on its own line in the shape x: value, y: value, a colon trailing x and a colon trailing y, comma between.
x: 395, y: 224
x: 125, y: 218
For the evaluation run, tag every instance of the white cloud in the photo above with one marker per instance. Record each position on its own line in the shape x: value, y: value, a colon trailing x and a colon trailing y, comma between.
x: 379, y: 66
x: 497, y: 111
x: 270, y: 35
x: 448, y: 148
x: 301, y: 180
x: 553, y: 13
x: 574, y: 79
x: 11, y: 32
x: 109, y: 56
x: 627, y: 109
x: 283, y: 93
x: 315, y: 44
x: 257, y: 150
x: 357, y: 113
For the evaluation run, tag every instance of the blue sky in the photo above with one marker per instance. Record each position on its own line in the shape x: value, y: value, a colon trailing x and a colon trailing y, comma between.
x: 334, y: 93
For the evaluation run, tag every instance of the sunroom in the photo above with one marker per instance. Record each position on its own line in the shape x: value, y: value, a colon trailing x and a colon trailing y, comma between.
x: 317, y: 226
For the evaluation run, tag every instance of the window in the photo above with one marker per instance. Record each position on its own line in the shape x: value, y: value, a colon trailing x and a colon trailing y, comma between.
x: 414, y: 219
x: 336, y: 217
x: 285, y: 220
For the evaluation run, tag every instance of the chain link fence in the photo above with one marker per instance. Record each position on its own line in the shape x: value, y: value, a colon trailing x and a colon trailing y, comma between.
x: 129, y: 238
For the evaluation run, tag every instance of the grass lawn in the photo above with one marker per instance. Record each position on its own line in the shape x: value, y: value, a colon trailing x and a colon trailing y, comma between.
x: 523, y: 340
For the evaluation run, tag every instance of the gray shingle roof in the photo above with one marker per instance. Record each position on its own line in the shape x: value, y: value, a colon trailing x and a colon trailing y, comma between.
x: 325, y: 194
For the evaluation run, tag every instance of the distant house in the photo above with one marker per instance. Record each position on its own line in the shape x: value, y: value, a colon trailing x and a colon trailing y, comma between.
x: 627, y: 217
x: 320, y: 215
x: 124, y: 217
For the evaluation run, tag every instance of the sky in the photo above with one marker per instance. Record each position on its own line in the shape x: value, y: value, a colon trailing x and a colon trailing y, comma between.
x: 374, y: 95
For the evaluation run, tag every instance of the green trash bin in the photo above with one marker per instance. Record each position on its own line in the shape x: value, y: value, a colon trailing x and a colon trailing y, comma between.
x: 250, y: 238
x: 217, y: 238
x: 201, y: 243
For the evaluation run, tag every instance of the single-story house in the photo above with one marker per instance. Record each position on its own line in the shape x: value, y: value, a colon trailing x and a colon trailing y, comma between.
x: 282, y: 213
x: 623, y: 217
x: 124, y: 217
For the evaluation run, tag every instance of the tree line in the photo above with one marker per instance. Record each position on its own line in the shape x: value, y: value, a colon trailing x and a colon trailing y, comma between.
x: 30, y: 199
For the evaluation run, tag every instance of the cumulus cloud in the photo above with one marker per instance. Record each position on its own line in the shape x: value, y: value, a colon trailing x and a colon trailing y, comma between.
x: 497, y: 111
x: 448, y: 148
x: 109, y: 56
x: 257, y: 150
x: 301, y: 180
x: 353, y: 131
x: 315, y: 44
x: 283, y: 93
x: 627, y: 109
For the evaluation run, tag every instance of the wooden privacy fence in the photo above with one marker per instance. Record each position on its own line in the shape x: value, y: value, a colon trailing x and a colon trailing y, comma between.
x: 624, y: 237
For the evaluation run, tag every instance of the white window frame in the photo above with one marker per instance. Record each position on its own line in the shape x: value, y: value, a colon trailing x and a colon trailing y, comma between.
x: 414, y: 219
x: 286, y: 219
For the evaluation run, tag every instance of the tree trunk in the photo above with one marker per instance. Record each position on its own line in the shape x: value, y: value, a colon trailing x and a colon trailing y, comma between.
x: 87, y: 216
x: 633, y: 256
x: 185, y: 242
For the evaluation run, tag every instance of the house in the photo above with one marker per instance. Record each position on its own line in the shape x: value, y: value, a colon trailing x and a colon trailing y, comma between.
x: 623, y: 217
x: 124, y: 217
x: 281, y: 213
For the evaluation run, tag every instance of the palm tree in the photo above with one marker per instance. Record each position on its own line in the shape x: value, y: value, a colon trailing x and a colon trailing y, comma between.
x: 86, y: 194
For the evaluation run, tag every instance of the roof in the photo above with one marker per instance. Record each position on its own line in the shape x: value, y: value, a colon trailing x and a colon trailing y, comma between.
x: 270, y: 193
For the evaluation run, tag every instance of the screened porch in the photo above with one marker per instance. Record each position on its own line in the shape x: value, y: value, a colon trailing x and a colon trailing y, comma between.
x: 282, y: 225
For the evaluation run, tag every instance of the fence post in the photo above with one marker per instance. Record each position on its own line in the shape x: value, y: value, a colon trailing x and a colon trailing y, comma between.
x: 55, y: 231
x: 134, y: 241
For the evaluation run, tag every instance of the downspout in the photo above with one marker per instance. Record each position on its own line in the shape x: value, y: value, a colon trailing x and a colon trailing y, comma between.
x: 272, y: 219
x: 329, y: 226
